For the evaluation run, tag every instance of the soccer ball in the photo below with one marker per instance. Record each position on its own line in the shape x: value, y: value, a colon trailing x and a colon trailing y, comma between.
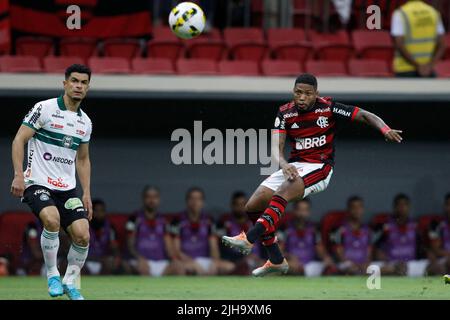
x: 187, y: 20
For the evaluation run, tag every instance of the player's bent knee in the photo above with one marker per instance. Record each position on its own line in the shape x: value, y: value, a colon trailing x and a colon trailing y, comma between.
x: 81, y: 238
x: 50, y: 221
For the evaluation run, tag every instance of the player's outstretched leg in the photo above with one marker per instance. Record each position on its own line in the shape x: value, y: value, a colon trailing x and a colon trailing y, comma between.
x: 49, y: 246
x: 78, y: 252
x: 255, y: 207
x: 265, y: 227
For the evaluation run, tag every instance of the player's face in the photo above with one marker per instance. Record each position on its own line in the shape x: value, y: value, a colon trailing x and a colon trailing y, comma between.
x: 76, y: 86
x: 356, y: 209
x: 302, y: 210
x: 195, y: 202
x: 99, y: 211
x: 152, y: 200
x: 402, y: 208
x: 238, y: 206
x: 304, y: 95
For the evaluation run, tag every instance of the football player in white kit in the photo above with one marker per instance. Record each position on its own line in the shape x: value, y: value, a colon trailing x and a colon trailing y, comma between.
x: 57, y: 132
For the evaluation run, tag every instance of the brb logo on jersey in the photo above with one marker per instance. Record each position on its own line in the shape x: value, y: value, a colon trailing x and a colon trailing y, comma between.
x: 308, y: 143
x: 322, y: 122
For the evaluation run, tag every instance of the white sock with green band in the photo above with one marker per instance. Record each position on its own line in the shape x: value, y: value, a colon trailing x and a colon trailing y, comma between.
x: 75, y: 259
x: 50, y: 246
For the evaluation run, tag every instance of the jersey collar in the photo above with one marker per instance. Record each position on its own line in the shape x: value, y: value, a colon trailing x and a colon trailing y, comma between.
x: 62, y: 106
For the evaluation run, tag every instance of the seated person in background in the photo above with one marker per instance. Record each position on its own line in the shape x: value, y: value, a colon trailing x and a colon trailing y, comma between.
x: 397, y: 242
x: 352, y: 242
x: 31, y: 259
x: 104, y: 254
x: 439, y: 249
x: 302, y: 245
x: 149, y: 242
x: 232, y: 224
x: 195, y: 239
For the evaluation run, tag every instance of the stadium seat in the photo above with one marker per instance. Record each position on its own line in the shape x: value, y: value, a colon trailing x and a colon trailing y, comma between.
x: 12, y: 227
x: 206, y: 49
x: 152, y: 66
x: 20, y: 64
x: 281, y: 68
x: 54, y: 64
x: 447, y: 47
x: 238, y: 68
x: 379, y: 218
x: 372, y: 44
x: 118, y: 222
x: 332, y: 46
x: 368, y: 68
x: 443, y: 69
x: 326, y: 68
x: 109, y: 65
x: 34, y: 46
x: 165, y: 44
x: 289, y: 44
x: 245, y: 43
x: 196, y: 67
x: 122, y: 48
x: 87, y: 3
x: 330, y: 221
x: 83, y: 47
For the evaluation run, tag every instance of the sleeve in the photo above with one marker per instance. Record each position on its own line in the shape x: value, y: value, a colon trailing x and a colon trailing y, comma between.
x: 87, y: 137
x: 344, y: 112
x: 280, y: 123
x: 397, y: 29
x: 35, y: 118
x: 174, y: 227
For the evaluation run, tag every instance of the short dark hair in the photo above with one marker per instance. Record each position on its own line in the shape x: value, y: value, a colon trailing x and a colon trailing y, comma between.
x: 307, y: 78
x: 194, y: 189
x: 98, y: 201
x: 238, y: 194
x: 353, y: 199
x: 148, y: 188
x: 80, y: 68
x: 399, y: 197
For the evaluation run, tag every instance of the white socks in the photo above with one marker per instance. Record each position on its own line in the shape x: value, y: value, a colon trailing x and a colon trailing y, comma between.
x: 50, y: 245
x: 76, y: 258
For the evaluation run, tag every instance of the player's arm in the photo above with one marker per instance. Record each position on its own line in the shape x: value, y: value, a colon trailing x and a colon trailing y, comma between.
x: 279, y: 141
x: 23, y: 135
x: 83, y: 165
x: 376, y: 122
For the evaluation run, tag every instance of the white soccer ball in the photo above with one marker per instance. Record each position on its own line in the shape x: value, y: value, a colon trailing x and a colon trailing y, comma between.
x: 187, y: 20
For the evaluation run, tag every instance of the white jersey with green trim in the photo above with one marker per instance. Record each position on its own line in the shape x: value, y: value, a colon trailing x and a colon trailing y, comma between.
x: 53, y: 148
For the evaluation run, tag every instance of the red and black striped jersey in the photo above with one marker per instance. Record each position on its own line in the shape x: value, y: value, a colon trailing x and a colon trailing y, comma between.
x: 312, y: 132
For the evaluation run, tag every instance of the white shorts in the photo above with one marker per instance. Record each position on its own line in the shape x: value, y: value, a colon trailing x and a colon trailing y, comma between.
x: 204, y: 262
x: 316, y: 177
x: 94, y: 267
x: 414, y: 268
x: 157, y: 267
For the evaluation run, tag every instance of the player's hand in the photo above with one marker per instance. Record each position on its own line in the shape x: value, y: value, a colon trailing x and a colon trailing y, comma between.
x: 18, y: 186
x: 393, y: 135
x: 290, y: 172
x: 87, y: 203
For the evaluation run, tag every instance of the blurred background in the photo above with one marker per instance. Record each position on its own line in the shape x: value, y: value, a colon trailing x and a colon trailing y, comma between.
x: 146, y: 83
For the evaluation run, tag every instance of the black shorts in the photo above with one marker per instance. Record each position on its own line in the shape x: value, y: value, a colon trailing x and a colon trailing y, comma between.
x: 69, y: 206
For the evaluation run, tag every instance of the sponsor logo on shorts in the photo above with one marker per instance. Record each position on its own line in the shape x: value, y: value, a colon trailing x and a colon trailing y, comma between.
x: 57, y: 183
x: 44, y: 197
x: 41, y: 191
x: 73, y: 203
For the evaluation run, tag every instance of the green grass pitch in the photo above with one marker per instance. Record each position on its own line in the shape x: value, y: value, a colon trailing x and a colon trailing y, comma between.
x: 230, y: 288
